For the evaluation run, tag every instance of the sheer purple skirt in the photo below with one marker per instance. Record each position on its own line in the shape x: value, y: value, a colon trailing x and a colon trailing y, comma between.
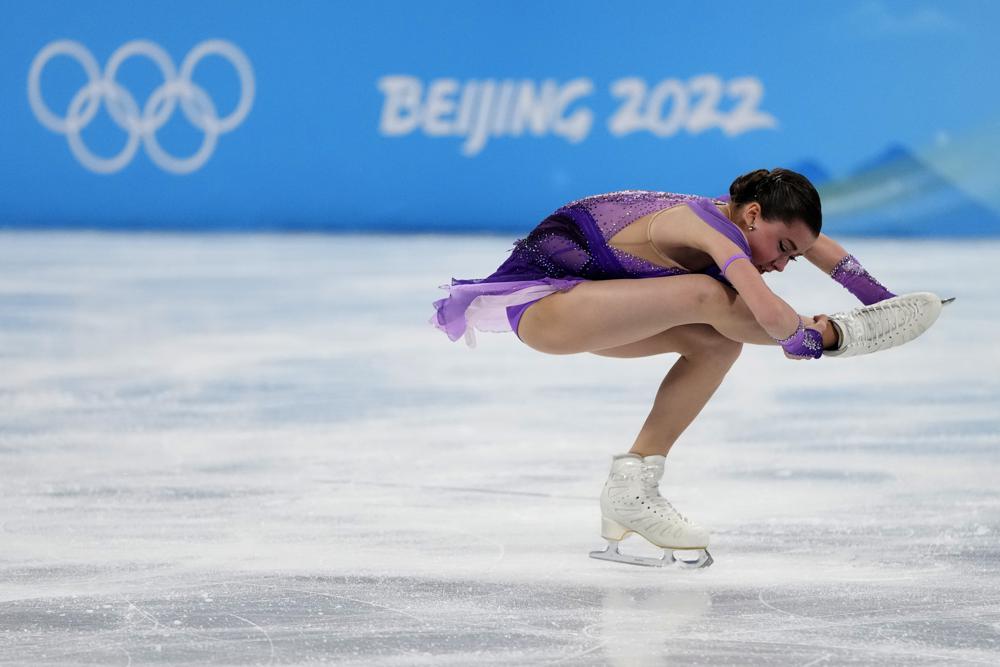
x: 494, y: 303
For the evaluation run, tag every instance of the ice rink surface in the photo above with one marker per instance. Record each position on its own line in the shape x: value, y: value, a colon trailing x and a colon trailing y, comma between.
x: 254, y: 450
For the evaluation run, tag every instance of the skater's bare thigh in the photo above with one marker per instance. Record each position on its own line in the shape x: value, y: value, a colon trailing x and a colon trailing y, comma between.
x: 689, y: 340
x: 604, y: 314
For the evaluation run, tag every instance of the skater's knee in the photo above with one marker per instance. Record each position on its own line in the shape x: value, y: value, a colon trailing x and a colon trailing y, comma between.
x: 727, y: 349
x: 712, y: 346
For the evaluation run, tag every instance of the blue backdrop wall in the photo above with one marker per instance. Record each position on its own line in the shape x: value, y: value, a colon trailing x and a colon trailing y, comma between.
x: 433, y: 116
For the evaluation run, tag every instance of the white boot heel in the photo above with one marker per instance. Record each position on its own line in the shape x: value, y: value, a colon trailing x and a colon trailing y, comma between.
x: 612, y: 530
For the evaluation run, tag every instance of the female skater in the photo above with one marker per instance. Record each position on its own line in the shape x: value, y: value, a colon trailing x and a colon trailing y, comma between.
x: 637, y: 273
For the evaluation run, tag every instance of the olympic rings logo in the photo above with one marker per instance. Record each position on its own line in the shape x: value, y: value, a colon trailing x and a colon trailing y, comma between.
x: 176, y: 88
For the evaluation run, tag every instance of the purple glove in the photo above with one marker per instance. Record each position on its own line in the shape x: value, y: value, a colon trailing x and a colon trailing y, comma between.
x: 803, y: 343
x: 859, y: 282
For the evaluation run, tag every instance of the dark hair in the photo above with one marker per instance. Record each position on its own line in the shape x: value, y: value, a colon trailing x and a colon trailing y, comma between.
x: 783, y: 195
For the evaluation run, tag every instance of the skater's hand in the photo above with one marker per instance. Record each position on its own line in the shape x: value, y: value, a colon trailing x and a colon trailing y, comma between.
x: 820, y: 324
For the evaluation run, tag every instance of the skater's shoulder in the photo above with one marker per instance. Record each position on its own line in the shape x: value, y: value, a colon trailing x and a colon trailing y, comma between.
x: 702, y: 224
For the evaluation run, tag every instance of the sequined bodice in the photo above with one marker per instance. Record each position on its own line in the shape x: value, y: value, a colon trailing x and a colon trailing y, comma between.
x: 574, y: 240
x: 615, y: 210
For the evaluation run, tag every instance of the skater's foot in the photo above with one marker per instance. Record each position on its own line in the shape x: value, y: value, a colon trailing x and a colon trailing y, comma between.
x: 631, y: 503
x: 884, y: 325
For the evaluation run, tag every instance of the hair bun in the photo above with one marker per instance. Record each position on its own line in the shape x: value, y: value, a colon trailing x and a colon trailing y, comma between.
x: 746, y: 188
x: 783, y: 195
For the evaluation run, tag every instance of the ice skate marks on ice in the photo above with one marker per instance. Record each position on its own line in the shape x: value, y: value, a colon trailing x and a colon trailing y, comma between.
x: 886, y: 324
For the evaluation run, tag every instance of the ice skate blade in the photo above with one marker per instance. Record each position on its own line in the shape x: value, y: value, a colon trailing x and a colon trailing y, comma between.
x: 613, y: 553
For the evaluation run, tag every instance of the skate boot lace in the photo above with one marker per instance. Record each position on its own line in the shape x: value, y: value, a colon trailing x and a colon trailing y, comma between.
x: 880, y: 322
x: 650, y: 484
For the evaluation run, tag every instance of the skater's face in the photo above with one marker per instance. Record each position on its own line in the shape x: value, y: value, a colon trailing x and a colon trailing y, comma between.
x: 774, y: 243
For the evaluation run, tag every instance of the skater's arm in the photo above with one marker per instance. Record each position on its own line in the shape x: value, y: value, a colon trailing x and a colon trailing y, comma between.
x: 825, y: 253
x: 776, y: 317
x: 773, y: 314
x: 832, y: 259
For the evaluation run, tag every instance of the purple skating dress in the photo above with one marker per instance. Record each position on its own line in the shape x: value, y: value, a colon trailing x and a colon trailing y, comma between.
x: 567, y: 248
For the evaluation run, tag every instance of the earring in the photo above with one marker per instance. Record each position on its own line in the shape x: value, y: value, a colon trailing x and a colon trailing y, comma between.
x: 751, y: 228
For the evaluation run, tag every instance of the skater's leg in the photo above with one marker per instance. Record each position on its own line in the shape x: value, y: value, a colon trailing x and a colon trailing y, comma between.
x: 631, y: 499
x: 706, y: 357
x: 605, y: 314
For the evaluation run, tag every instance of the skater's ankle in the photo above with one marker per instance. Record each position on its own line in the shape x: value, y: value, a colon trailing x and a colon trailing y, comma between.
x: 831, y: 336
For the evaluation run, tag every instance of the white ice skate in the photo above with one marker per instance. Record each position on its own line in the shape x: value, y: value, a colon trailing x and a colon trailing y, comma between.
x: 885, y: 324
x: 631, y: 503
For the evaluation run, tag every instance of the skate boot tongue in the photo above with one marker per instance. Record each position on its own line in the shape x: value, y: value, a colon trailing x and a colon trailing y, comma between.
x: 652, y: 472
x: 653, y: 465
x: 652, y: 469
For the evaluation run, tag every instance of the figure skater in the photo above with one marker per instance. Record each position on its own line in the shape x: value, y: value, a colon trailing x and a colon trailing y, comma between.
x: 639, y: 273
